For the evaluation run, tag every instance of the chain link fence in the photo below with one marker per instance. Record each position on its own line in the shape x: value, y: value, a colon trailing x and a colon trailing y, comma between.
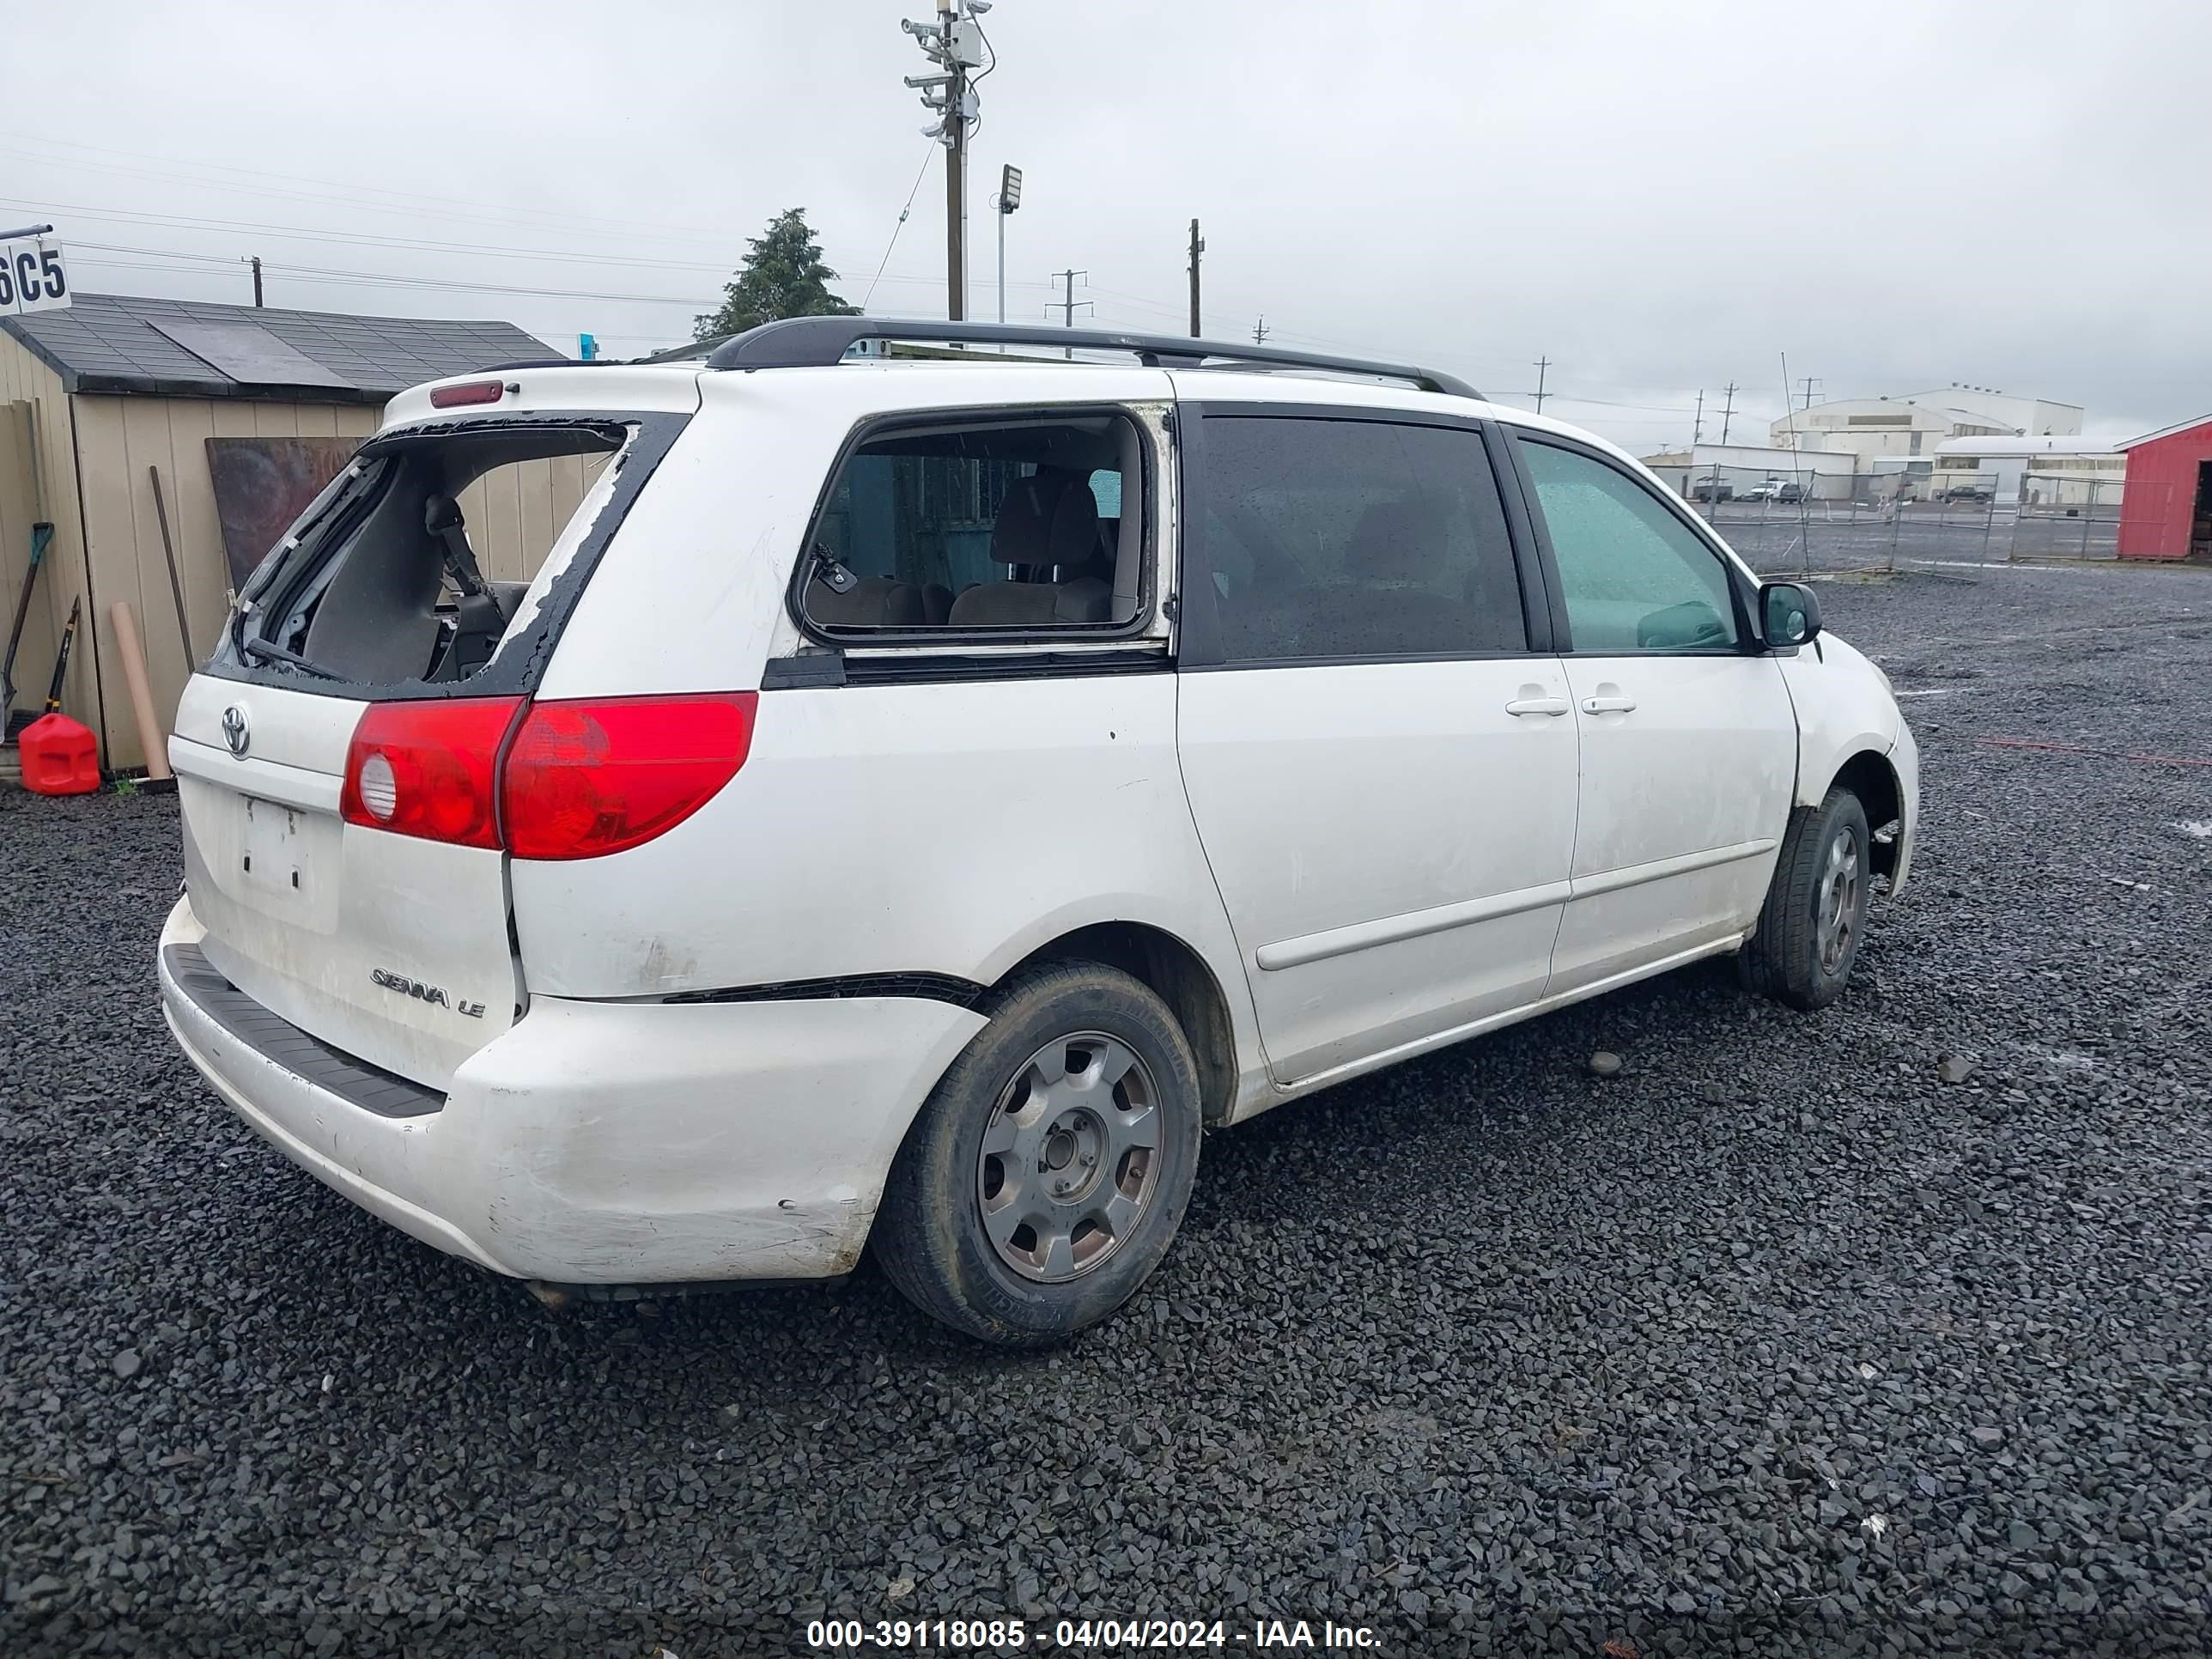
x: 1821, y: 519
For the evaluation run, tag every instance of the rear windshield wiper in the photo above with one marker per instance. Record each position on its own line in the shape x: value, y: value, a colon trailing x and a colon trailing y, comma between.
x: 269, y: 652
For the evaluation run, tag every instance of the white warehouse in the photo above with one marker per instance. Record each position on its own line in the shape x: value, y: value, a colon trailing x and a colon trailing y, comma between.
x: 1918, y: 423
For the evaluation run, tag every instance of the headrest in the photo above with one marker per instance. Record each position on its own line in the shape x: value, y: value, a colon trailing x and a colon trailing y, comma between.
x: 1050, y: 518
x: 1392, y: 542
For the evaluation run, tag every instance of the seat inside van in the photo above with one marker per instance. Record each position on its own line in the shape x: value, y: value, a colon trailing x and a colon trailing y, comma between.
x: 980, y: 526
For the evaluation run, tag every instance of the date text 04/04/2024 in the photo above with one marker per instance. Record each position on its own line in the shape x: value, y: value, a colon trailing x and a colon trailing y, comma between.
x: 832, y: 1635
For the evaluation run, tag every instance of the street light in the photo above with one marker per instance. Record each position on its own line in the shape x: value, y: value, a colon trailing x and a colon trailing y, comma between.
x: 1008, y: 199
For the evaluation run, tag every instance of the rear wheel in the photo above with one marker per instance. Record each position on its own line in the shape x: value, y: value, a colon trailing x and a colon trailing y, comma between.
x: 1815, y: 912
x: 1045, y: 1177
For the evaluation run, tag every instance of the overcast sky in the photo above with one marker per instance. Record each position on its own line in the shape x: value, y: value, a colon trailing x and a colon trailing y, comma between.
x: 1657, y: 197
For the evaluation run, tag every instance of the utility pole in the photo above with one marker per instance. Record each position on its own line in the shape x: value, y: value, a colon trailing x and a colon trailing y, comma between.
x: 1729, y: 412
x: 1260, y: 330
x: 256, y: 263
x: 955, y: 45
x: 1543, y: 367
x: 1809, y: 384
x: 1697, y: 421
x: 1067, y: 301
x: 1197, y: 247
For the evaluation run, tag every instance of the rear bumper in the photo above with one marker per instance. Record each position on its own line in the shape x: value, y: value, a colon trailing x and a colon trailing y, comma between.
x: 617, y: 1143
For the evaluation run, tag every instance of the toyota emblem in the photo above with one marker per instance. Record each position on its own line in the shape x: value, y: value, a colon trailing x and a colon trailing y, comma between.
x: 234, y: 732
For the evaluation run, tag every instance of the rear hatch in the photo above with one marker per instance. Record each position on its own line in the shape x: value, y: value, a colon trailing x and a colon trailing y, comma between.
x: 338, y: 756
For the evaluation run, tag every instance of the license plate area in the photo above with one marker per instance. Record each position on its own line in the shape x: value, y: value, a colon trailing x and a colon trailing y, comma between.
x: 280, y: 862
x: 269, y: 851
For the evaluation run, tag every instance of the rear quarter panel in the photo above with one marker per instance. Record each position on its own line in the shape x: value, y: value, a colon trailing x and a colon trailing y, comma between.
x: 943, y: 827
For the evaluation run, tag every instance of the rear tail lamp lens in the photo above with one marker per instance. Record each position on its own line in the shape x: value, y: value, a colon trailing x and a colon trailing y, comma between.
x: 427, y: 769
x: 590, y: 777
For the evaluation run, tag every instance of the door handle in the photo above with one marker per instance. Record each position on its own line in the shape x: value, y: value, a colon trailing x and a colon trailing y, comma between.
x: 1537, y: 706
x: 1614, y: 705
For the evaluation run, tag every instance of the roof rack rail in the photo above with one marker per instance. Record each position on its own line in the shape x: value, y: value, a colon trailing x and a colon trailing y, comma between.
x: 816, y: 342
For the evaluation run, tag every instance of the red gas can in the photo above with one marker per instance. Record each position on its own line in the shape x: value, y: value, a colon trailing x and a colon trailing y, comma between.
x: 60, y: 757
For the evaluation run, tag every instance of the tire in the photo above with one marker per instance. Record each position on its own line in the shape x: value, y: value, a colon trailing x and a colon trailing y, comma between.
x: 1815, y: 918
x: 1064, y: 1146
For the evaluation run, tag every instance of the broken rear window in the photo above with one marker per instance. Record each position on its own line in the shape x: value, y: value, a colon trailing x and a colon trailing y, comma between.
x: 417, y: 562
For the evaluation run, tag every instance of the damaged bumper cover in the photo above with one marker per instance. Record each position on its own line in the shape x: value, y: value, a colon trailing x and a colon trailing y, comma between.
x: 617, y: 1143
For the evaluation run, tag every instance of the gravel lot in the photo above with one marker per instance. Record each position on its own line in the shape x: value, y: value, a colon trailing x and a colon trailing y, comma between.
x: 1776, y: 1342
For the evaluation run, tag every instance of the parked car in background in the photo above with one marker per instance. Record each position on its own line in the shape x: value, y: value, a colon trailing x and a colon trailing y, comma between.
x: 1775, y: 489
x: 915, y: 798
x: 1969, y: 493
x: 1712, y: 489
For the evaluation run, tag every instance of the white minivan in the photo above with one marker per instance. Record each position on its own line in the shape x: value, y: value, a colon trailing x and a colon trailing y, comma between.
x: 913, y: 798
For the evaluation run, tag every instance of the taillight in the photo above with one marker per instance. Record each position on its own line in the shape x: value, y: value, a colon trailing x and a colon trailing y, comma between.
x: 587, y: 777
x: 427, y: 769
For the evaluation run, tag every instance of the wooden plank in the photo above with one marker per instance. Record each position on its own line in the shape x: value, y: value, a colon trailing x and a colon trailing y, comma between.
x: 111, y: 549
x: 318, y: 420
x: 276, y: 420
x: 146, y: 443
x: 192, y: 521
x: 233, y: 418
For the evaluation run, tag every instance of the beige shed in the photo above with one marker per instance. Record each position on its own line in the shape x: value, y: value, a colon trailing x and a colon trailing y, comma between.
x: 242, y: 412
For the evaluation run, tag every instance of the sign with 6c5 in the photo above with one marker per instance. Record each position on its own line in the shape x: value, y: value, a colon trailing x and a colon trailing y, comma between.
x: 31, y: 277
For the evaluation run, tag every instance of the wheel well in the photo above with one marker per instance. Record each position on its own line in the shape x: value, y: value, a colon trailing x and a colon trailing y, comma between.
x: 1868, y: 776
x: 1179, y: 975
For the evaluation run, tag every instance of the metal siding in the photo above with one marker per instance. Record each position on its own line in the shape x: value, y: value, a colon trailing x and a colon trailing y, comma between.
x: 2160, y: 495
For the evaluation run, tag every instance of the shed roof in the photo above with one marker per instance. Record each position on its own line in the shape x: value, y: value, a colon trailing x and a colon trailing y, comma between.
x: 2166, y: 432
x: 117, y: 343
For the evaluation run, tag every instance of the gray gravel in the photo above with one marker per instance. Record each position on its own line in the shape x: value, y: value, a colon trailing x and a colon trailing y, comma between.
x: 1773, y: 1342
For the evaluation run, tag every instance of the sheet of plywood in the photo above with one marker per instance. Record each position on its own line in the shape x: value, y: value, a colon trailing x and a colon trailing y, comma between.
x: 261, y: 484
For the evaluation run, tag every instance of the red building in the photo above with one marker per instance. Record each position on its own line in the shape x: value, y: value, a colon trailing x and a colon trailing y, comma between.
x: 2165, y: 511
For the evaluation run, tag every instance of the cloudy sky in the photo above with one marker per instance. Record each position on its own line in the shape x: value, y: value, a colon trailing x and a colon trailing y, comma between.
x: 1659, y: 197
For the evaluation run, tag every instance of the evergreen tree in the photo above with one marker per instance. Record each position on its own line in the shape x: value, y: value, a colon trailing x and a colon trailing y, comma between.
x: 782, y: 276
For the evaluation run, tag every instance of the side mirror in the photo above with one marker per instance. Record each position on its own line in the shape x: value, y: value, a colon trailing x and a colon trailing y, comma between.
x: 1789, y: 613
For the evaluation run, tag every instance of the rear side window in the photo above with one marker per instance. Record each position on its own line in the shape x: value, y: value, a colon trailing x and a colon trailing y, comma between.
x: 1634, y: 576
x: 1330, y: 539
x: 981, y: 526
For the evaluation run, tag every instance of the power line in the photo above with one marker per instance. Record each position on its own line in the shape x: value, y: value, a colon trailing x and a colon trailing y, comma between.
x: 326, y: 192
x: 1728, y: 413
x: 1543, y: 366
x: 379, y: 279
x: 297, y: 233
x: 896, y: 228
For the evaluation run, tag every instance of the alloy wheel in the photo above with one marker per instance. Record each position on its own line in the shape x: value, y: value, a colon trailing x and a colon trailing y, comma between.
x: 1837, y: 901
